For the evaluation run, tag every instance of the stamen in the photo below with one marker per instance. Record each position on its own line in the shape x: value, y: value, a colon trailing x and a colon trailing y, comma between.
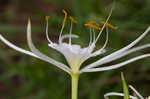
x: 109, y: 25
x: 93, y: 35
x: 106, y: 39
x: 93, y: 26
x: 90, y: 36
x: 47, y: 18
x: 63, y: 24
x: 104, y: 24
x: 65, y: 18
x: 93, y: 22
x: 72, y: 19
x: 70, y: 33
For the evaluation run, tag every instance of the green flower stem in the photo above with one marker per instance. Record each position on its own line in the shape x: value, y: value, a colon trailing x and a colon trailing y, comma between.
x: 75, y: 79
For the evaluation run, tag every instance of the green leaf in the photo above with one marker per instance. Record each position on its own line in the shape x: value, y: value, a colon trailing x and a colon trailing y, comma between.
x: 125, y: 87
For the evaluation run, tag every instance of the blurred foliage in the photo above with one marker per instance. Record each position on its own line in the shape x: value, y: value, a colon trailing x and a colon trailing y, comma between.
x: 24, y: 77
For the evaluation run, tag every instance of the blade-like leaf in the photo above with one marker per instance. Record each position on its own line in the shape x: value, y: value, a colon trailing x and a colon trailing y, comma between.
x: 125, y: 87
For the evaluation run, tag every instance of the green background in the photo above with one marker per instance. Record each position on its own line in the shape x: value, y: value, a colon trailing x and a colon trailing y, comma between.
x: 24, y: 77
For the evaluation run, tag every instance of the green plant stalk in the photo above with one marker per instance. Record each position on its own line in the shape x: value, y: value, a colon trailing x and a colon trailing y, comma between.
x: 75, y: 79
x: 125, y: 87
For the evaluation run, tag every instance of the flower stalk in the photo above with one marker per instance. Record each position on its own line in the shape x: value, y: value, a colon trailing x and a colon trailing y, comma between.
x: 75, y: 80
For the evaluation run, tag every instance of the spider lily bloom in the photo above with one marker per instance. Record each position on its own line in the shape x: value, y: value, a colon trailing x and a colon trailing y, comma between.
x: 122, y: 94
x: 76, y: 55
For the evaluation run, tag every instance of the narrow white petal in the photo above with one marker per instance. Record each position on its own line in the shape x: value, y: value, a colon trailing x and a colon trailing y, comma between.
x: 127, y: 53
x: 42, y: 56
x: 109, y: 57
x: 17, y: 48
x: 116, y: 65
x: 136, y: 92
x: 98, y: 52
x: 117, y: 94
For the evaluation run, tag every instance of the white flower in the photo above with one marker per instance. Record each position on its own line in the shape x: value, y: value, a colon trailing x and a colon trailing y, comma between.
x: 76, y: 55
x: 122, y: 94
x: 148, y: 97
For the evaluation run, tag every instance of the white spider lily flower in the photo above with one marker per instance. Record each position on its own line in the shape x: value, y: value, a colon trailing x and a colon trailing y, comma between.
x: 139, y: 96
x: 76, y: 55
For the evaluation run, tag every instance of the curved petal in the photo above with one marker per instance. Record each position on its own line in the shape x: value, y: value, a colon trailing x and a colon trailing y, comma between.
x: 109, y: 57
x: 116, y: 65
x: 68, y: 36
x: 17, y: 48
x: 98, y: 52
x: 136, y: 92
x: 42, y: 56
x: 116, y: 94
x: 127, y: 53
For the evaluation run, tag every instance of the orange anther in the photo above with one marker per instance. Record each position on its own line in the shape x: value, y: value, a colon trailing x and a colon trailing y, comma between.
x: 65, y: 18
x: 93, y: 22
x: 47, y: 17
x: 93, y: 26
x: 72, y: 19
x: 109, y: 25
x: 64, y: 11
